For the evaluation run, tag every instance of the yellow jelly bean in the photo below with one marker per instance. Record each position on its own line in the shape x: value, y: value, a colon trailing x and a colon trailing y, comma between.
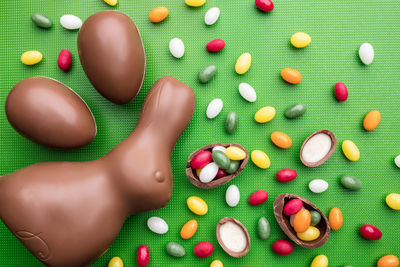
x: 197, y: 205
x: 116, y: 262
x: 198, y: 171
x: 111, y: 2
x: 393, y: 201
x: 189, y: 229
x: 216, y: 263
x: 235, y: 153
x: 31, y: 57
x: 265, y: 114
x: 243, y: 63
x: 260, y: 159
x: 320, y: 261
x: 350, y: 150
x: 300, y: 39
x: 195, y: 3
x: 310, y: 234
x: 372, y: 120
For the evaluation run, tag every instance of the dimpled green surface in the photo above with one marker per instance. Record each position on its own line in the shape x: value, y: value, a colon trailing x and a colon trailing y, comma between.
x: 337, y: 29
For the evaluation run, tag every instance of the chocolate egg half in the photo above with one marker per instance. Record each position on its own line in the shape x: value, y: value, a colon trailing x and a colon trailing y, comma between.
x: 50, y: 113
x: 112, y: 55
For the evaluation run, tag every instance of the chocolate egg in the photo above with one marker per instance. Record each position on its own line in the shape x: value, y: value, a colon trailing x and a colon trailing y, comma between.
x: 50, y: 113
x: 112, y: 55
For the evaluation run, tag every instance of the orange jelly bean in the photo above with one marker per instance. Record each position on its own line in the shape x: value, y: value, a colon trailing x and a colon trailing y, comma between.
x: 372, y: 120
x: 302, y: 221
x: 189, y: 229
x: 335, y: 219
x: 281, y: 140
x: 388, y: 261
x: 158, y: 14
x: 291, y: 76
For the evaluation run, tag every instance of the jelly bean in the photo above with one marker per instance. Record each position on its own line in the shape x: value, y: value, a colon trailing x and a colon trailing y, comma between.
x: 221, y: 148
x: 260, y: 159
x: 221, y: 173
x: 247, y: 92
x: 265, y: 114
x: 397, y: 161
x: 201, y: 159
x: 31, y: 57
x: 235, y: 153
x: 341, y: 92
x: 71, y: 22
x: 197, y: 205
x: 41, y: 20
x: 292, y: 207
x: 315, y: 217
x: 195, y: 3
x: 64, y: 60
x: 231, y: 122
x: 215, y: 45
x: 366, y: 53
x: 115, y: 262
x: 214, y: 108
x: 371, y: 232
x: 243, y: 63
x: 281, y: 140
x: 291, y: 76
x: 221, y: 159
x: 393, y: 201
x: 310, y: 234
x: 318, y: 186
x: 302, y: 221
x: 265, y: 5
x: 198, y: 171
x: 212, y: 16
x: 258, y: 197
x: 143, y: 256
x: 207, y: 73
x: 158, y: 14
x: 177, y: 47
x: 335, y: 219
x: 203, y: 249
x: 175, y: 250
x: 295, y: 111
x: 372, y: 120
x: 350, y: 150
x: 291, y: 219
x: 111, y: 2
x: 263, y: 228
x: 300, y: 39
x: 189, y: 229
x: 209, y: 172
x: 233, y: 167
x: 286, y: 175
x: 232, y: 196
x: 388, y: 261
x: 320, y: 261
x: 351, y: 182
x: 282, y: 247
x: 216, y: 263
x: 157, y: 225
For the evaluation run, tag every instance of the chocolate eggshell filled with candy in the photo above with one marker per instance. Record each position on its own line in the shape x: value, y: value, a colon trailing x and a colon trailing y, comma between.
x: 69, y: 213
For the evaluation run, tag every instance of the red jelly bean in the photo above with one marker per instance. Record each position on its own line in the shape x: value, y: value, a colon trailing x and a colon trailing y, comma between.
x: 265, y: 5
x: 258, y: 197
x: 370, y: 232
x: 203, y: 249
x: 64, y: 60
x: 341, y: 92
x: 292, y: 207
x: 143, y: 256
x: 215, y: 45
x: 286, y: 175
x: 221, y: 173
x: 201, y: 159
x: 282, y: 247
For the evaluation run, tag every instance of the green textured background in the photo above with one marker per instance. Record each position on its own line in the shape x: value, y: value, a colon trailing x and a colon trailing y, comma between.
x: 337, y: 29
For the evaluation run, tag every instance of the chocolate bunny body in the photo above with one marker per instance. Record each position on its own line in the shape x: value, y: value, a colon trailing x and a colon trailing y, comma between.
x: 68, y: 213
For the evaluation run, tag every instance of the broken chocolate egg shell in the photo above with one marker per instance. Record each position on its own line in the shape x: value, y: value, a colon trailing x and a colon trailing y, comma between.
x: 233, y: 237
x: 318, y: 148
x: 194, y: 179
x: 284, y: 221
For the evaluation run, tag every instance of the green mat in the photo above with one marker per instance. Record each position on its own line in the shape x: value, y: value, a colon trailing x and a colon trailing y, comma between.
x: 337, y: 29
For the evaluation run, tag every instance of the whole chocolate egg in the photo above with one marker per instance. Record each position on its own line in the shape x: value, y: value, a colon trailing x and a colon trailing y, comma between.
x: 50, y: 113
x: 112, y: 55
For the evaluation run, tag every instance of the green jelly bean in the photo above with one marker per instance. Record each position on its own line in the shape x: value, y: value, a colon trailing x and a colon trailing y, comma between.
x: 233, y: 167
x: 206, y: 74
x: 351, y: 182
x: 315, y: 217
x: 295, y: 111
x: 221, y: 159
x: 231, y: 122
x: 263, y: 228
x: 41, y: 20
x: 175, y: 250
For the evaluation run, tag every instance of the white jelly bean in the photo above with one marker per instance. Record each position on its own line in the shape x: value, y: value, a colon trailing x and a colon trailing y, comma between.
x: 214, y: 108
x: 247, y: 92
x: 318, y: 186
x: 232, y: 196
x: 212, y: 16
x: 176, y: 47
x: 157, y: 225
x: 220, y: 148
x: 366, y: 53
x: 71, y: 22
x: 209, y: 172
x: 397, y: 161
x: 292, y: 217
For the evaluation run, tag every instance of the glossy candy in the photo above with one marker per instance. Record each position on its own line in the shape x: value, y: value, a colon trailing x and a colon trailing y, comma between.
x: 203, y: 249
x: 215, y: 45
x: 221, y: 148
x: 157, y: 225
x: 302, y: 221
x: 258, y: 197
x: 318, y: 186
x: 260, y: 159
x: 177, y: 47
x: 310, y: 234
x: 214, y: 108
x: 221, y: 173
x: 31, y: 57
x: 282, y: 247
x: 216, y: 263
x: 201, y: 159
x: 209, y: 172
x: 220, y: 159
x: 320, y: 261
x: 351, y: 182
x: 158, y: 14
x: 71, y: 22
x: 300, y: 39
x: 189, y: 229
x: 265, y: 5
x: 372, y: 120
x: 350, y: 150
x: 197, y: 205
x: 243, y: 63
x: 371, y: 232
x: 143, y: 256
x: 212, y: 16
x: 281, y: 140
x: 175, y: 249
x: 247, y: 92
x: 366, y: 53
x: 388, y: 261
x: 315, y: 217
x: 233, y: 167
x: 286, y: 175
x: 295, y: 111
x: 291, y: 76
x: 341, y: 92
x: 292, y: 207
x: 231, y: 122
x: 195, y: 3
x: 115, y: 262
x: 41, y: 20
x: 335, y: 219
x: 235, y: 153
x: 265, y: 114
x: 397, y: 161
x: 263, y: 228
x: 111, y: 2
x: 207, y: 73
x: 232, y: 196
x: 393, y: 201
x: 64, y: 60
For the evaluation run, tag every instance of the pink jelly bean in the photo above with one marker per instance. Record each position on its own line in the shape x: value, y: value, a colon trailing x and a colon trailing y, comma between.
x: 292, y: 207
x: 64, y: 60
x: 203, y: 249
x: 341, y: 92
x: 215, y: 45
x: 221, y: 173
x: 282, y: 247
x: 286, y: 175
x: 370, y: 232
x: 143, y: 255
x: 201, y: 159
x: 258, y: 197
x: 265, y: 5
